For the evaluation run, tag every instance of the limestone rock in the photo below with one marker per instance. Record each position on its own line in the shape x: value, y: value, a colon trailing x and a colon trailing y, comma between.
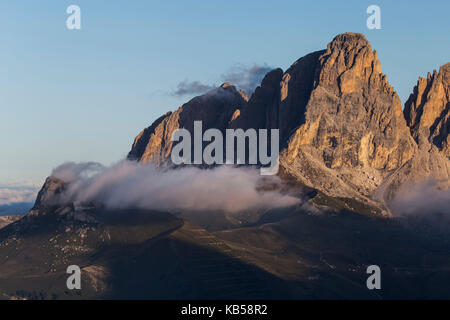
x: 342, y: 128
x: 215, y: 109
x: 259, y: 112
x: 427, y: 111
x: 353, y: 133
x: 6, y: 220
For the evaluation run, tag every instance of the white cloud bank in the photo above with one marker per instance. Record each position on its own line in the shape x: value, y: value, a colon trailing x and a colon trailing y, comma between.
x: 424, y: 206
x: 130, y: 184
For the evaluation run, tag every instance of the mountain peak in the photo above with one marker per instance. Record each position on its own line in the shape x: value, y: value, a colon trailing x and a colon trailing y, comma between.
x: 215, y: 109
x: 342, y: 129
x: 427, y: 110
x: 348, y: 87
x: 232, y: 88
x: 349, y: 61
x: 349, y: 39
x: 444, y: 70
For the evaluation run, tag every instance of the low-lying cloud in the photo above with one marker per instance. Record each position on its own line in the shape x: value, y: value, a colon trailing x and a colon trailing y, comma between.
x: 135, y: 185
x: 246, y: 78
x: 16, y: 193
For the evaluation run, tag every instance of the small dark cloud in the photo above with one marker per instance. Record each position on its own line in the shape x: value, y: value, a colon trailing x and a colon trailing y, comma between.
x: 191, y: 88
x: 246, y: 78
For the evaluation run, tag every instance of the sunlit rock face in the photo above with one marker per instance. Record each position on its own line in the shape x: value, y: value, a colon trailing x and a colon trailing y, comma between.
x: 353, y: 134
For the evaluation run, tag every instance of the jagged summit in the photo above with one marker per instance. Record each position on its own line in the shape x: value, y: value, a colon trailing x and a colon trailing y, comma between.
x: 232, y: 88
x: 345, y: 146
x: 349, y: 39
x: 349, y: 58
x: 352, y: 132
x: 226, y: 85
x: 427, y: 110
x: 45, y: 198
x: 342, y: 128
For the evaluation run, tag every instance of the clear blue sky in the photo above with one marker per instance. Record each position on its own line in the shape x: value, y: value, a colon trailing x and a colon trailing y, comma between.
x: 84, y: 95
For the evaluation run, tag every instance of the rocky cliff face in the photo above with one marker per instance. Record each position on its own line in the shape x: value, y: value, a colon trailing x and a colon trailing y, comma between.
x: 215, y: 109
x: 427, y: 111
x: 342, y: 129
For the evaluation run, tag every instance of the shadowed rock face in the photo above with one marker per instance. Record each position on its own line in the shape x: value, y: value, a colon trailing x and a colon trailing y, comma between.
x: 427, y: 110
x: 342, y: 129
x: 215, y: 109
x: 45, y: 201
x: 261, y: 110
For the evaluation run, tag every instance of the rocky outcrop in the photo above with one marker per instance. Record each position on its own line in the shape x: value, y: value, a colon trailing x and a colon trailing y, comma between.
x: 260, y: 111
x: 215, y: 109
x: 427, y: 111
x: 427, y: 115
x: 280, y: 101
